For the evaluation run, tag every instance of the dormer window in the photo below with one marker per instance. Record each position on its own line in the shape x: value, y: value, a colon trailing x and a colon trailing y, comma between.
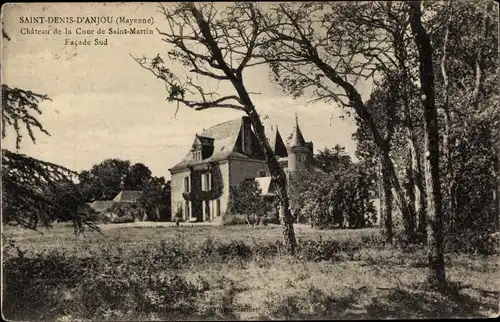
x: 197, y: 155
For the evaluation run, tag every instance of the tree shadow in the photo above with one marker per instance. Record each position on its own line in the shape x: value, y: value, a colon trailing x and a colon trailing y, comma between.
x: 393, y: 303
x: 317, y: 306
x: 401, y: 303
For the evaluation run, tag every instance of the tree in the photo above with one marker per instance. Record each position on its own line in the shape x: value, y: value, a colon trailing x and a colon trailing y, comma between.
x: 335, y: 194
x: 104, y: 180
x: 299, y: 189
x: 337, y: 199
x: 437, y: 276
x: 247, y: 200
x: 333, y: 159
x: 137, y: 177
x: 156, y: 198
x: 219, y: 46
x: 466, y: 51
x: 325, y: 50
x: 34, y: 192
x: 463, y: 40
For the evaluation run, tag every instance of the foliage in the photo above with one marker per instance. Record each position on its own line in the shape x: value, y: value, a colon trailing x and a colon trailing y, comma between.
x: 464, y: 38
x: 34, y: 192
x: 180, y: 276
x: 156, y: 199
x: 330, y: 160
x: 106, y: 179
x: 137, y: 177
x: 338, y: 197
x: 340, y: 200
x: 469, y: 74
x: 246, y: 200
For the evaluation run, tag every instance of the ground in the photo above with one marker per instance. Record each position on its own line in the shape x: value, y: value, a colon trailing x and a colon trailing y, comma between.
x: 358, y: 283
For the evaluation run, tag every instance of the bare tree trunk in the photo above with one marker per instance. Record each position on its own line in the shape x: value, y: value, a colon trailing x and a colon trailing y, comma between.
x: 247, y: 218
x: 277, y: 173
x: 409, y: 217
x: 496, y: 191
x: 411, y: 188
x: 364, y: 114
x: 414, y: 166
x: 496, y: 199
x: 437, y: 276
x: 416, y: 191
x: 497, y: 160
x: 451, y: 208
x: 386, y: 202
x: 422, y: 201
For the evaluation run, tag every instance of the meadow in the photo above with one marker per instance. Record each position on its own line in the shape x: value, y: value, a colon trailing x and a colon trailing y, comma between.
x: 232, y: 273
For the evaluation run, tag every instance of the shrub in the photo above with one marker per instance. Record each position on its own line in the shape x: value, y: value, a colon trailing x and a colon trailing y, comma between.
x: 473, y: 242
x: 338, y: 198
x: 328, y: 249
x: 246, y: 199
x: 123, y: 219
x: 229, y: 220
x: 118, y: 282
x: 271, y: 218
x: 373, y: 241
x: 234, y: 250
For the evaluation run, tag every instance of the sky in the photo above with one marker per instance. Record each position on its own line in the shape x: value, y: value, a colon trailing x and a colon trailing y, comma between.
x: 104, y: 105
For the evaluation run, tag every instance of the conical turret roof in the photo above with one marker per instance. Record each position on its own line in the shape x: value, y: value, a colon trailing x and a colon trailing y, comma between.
x: 297, y: 137
x: 277, y: 143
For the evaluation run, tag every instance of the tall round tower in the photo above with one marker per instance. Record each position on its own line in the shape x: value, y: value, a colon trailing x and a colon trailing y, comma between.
x: 300, y: 152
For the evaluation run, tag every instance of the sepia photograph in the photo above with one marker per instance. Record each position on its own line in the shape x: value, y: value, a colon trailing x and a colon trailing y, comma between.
x: 193, y: 161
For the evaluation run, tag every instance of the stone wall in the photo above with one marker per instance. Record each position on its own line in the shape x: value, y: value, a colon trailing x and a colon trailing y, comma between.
x: 243, y: 169
x: 178, y: 196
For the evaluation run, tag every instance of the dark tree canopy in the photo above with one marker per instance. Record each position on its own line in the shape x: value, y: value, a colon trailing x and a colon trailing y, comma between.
x: 329, y: 160
x: 106, y: 179
x: 137, y: 177
x: 34, y: 192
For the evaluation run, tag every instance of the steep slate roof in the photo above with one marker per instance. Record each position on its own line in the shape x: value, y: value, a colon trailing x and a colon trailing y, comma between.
x: 202, y: 140
x: 277, y: 143
x: 224, y: 137
x: 128, y: 196
x: 102, y: 205
x: 85, y: 208
x: 297, y: 137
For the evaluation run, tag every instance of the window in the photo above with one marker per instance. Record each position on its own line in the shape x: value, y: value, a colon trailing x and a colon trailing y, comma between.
x: 206, y: 210
x: 197, y: 155
x: 206, y: 182
x: 217, y: 207
x: 187, y: 210
x: 261, y: 173
x: 186, y: 184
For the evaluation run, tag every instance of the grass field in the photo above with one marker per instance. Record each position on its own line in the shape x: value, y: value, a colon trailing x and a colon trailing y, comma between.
x: 136, y: 235
x: 131, y: 272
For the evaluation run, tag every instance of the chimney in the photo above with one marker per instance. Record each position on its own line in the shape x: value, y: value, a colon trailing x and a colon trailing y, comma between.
x: 246, y: 136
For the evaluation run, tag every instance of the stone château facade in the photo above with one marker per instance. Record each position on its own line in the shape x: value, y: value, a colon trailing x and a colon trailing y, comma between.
x: 223, y: 156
